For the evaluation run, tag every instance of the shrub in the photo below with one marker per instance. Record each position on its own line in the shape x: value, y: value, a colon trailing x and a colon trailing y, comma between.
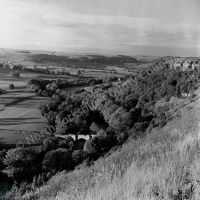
x: 49, y: 144
x: 35, y: 90
x: 40, y: 92
x: 57, y: 160
x: 54, y: 143
x: 15, y: 74
x: 2, y: 156
x: 92, y: 83
x: 79, y: 72
x: 78, y: 156
x: 92, y: 147
x: 11, y: 86
x: 20, y: 163
x: 79, y: 145
x: 58, y: 91
x: 67, y: 143
x: 122, y: 137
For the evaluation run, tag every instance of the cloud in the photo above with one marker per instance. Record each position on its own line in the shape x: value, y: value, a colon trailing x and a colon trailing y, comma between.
x: 57, y: 24
x: 131, y: 31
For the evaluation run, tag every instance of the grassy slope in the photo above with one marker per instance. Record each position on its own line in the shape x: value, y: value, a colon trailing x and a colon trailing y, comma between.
x: 160, y: 166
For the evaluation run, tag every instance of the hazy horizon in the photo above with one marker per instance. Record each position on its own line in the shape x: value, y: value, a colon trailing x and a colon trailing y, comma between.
x: 8, y: 50
x: 127, y: 27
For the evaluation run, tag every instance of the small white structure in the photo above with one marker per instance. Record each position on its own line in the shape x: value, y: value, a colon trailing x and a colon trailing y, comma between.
x: 186, y: 94
x: 196, y: 64
x: 187, y: 64
x: 177, y: 65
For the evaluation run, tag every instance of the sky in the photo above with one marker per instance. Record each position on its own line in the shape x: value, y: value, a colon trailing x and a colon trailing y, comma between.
x: 129, y: 27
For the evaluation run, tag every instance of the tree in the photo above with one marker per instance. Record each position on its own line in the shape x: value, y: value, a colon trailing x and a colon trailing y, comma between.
x: 79, y: 144
x: 121, y: 119
x: 92, y: 83
x: 79, y: 72
x: 57, y: 160
x: 11, y: 86
x: 67, y: 73
x: 50, y: 144
x: 20, y: 163
x: 40, y: 92
x: 51, y: 116
x: 58, y: 91
x: 54, y: 143
x: 78, y: 156
x: 67, y: 143
x: 2, y: 156
x: 45, y: 93
x: 122, y: 137
x: 110, y: 138
x: 178, y: 91
x: 15, y: 73
x: 35, y: 67
x: 92, y: 147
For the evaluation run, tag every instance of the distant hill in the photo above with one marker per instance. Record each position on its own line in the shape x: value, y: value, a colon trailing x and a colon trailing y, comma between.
x: 18, y: 56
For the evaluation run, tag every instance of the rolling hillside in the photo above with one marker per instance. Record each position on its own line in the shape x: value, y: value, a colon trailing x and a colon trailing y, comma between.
x: 163, y: 165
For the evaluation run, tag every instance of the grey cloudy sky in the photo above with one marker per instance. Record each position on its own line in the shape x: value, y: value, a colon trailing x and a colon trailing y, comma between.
x: 151, y: 27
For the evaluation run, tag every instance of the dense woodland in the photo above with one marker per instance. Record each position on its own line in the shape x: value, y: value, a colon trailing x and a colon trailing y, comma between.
x: 126, y: 112
x: 88, y: 58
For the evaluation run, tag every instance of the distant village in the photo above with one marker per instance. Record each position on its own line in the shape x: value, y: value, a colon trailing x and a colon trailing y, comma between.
x: 185, y: 64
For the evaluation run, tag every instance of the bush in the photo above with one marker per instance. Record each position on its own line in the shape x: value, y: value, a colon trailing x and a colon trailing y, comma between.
x: 39, y: 92
x: 54, y: 143
x: 57, y: 160
x: 58, y: 91
x: 68, y: 143
x: 35, y: 90
x: 79, y: 145
x: 21, y: 164
x: 92, y: 147
x: 122, y: 137
x: 2, y: 156
x: 15, y: 73
x: 92, y: 83
x: 78, y: 156
x: 11, y: 86
x: 110, y: 136
x: 49, y: 144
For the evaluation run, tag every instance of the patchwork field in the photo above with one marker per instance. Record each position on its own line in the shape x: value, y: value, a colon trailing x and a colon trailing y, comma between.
x: 100, y: 74
x: 13, y: 138
x: 19, y: 117
x: 20, y: 111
